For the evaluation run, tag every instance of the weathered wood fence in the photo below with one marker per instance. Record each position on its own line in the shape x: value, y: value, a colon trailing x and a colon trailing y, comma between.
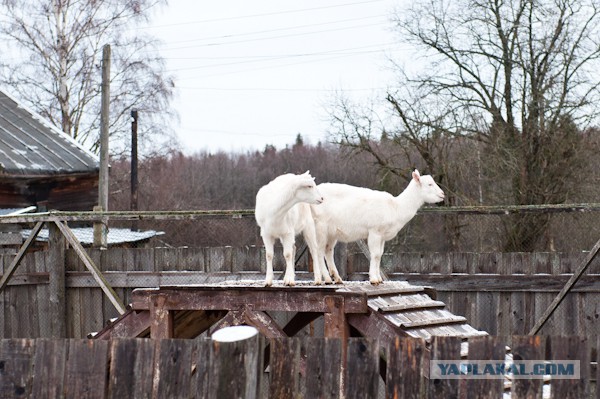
x: 501, y: 293
x: 299, y: 368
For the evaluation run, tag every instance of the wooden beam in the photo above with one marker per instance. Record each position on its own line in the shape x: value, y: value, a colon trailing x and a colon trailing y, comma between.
x: 17, y: 259
x: 263, y: 323
x: 132, y: 324
x: 561, y: 295
x: 56, y: 283
x: 87, y: 261
x: 235, y: 298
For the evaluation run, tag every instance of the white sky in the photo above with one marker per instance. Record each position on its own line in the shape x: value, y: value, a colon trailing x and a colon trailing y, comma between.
x: 252, y: 73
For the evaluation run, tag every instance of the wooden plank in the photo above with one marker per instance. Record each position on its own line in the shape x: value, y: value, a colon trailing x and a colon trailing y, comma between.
x: 49, y: 370
x: 174, y: 366
x: 17, y: 259
x: 571, y: 348
x: 86, y: 371
x: 411, y: 306
x: 362, y: 369
x: 131, y: 368
x: 404, y: 368
x: 284, y: 375
x: 323, y: 364
x: 485, y: 348
x: 434, y: 322
x: 16, y: 359
x: 444, y: 348
x: 110, y: 293
x: 528, y: 348
x: 236, y: 369
x: 201, y: 363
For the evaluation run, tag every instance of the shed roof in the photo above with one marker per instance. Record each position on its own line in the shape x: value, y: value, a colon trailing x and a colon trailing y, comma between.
x: 31, y: 146
x: 115, y: 236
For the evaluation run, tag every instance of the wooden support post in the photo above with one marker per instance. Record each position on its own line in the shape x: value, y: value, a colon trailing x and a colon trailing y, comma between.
x: 161, y: 318
x: 336, y: 326
x: 56, y: 286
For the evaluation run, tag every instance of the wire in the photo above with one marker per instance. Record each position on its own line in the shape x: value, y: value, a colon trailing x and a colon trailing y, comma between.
x: 270, y: 14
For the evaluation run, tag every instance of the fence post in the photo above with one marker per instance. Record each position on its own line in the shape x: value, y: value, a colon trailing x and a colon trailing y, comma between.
x: 56, y: 280
x: 236, y: 363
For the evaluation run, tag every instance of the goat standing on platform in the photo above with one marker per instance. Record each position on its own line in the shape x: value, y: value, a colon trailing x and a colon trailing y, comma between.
x: 282, y: 212
x: 354, y: 213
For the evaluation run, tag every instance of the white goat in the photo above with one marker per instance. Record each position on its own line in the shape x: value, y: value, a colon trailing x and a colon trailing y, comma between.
x: 282, y: 212
x: 353, y: 213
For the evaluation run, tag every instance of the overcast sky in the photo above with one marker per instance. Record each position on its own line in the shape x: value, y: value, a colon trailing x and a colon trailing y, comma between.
x: 252, y: 73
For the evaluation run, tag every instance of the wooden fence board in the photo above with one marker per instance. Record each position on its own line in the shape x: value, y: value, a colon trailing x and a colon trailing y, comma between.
x: 201, y: 364
x: 49, y: 368
x: 444, y: 348
x: 570, y: 348
x: 234, y: 371
x: 323, y: 361
x: 174, y: 366
x: 361, y: 374
x: 86, y: 371
x: 404, y: 365
x: 284, y: 381
x: 16, y: 364
x: 528, y: 348
x: 131, y: 368
x: 485, y: 348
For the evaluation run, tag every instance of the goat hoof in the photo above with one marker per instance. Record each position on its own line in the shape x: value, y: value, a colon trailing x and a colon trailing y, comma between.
x: 339, y: 281
x: 289, y: 283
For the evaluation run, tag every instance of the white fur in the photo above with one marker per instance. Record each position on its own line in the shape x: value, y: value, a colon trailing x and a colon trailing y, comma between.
x: 282, y: 212
x: 350, y: 213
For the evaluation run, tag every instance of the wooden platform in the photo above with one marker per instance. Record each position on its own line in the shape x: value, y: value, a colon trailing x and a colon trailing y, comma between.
x: 353, y: 309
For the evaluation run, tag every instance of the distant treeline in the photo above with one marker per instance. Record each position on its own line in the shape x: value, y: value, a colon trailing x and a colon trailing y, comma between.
x: 230, y: 180
x: 205, y: 181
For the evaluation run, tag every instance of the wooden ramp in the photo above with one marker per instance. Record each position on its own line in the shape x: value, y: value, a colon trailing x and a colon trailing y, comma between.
x: 353, y: 309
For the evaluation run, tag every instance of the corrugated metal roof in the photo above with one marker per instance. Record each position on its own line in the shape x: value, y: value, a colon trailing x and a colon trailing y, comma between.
x: 31, y: 146
x: 85, y: 235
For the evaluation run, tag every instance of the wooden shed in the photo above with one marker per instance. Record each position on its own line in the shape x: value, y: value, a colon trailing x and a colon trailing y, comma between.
x: 42, y: 166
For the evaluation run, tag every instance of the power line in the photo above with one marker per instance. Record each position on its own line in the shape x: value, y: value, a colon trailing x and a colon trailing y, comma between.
x: 269, y: 37
x: 287, y: 28
x: 270, y: 13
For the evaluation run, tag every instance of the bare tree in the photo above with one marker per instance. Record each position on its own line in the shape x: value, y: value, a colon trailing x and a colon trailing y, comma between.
x: 55, y: 49
x: 518, y: 76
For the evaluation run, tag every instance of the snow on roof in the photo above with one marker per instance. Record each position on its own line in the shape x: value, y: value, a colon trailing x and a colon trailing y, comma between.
x: 31, y: 146
x: 85, y: 235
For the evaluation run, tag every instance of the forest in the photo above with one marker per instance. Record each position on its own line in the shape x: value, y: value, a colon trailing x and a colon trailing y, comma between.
x: 223, y: 181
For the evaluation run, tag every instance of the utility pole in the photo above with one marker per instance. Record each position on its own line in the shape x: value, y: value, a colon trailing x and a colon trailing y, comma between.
x: 101, y: 229
x: 134, y: 165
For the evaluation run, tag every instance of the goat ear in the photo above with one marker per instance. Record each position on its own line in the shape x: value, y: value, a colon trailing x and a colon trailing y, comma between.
x: 416, y: 176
